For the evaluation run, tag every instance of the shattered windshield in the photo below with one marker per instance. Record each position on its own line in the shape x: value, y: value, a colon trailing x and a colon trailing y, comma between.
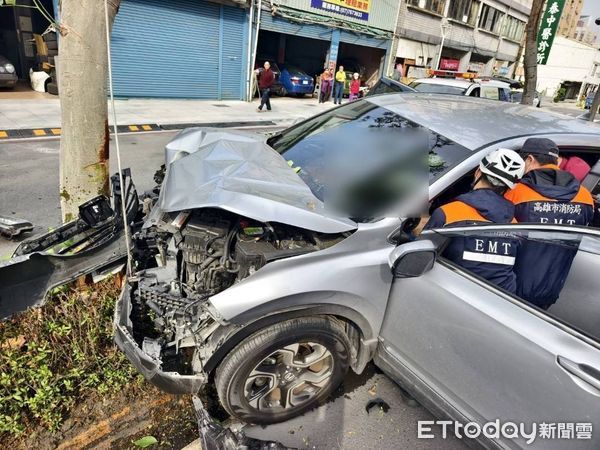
x: 328, y: 148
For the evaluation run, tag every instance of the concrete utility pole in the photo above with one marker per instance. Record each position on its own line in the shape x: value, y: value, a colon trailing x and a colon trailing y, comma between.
x: 83, y: 70
x: 530, y: 58
x: 596, y: 101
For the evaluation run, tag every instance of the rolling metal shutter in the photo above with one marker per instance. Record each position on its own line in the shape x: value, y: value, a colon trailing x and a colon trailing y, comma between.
x: 173, y: 49
x: 279, y: 25
x: 234, y: 35
x: 361, y: 39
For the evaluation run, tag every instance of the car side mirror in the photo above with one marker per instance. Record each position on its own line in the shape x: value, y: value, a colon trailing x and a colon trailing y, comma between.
x: 412, y: 259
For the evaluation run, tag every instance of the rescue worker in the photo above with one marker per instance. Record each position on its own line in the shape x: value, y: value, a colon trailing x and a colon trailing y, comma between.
x: 491, y: 257
x: 546, y: 194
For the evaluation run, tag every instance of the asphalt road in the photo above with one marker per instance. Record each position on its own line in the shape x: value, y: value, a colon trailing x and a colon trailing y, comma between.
x: 29, y: 189
x: 29, y: 176
x: 344, y: 423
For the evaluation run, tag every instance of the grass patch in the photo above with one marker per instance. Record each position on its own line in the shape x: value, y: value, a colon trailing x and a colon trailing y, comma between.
x: 53, y: 357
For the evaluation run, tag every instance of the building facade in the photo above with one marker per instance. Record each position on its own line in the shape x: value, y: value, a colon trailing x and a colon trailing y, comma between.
x: 569, y: 18
x: 208, y: 49
x: 584, y: 32
x: 313, y: 34
x: 179, y: 49
x: 571, y: 65
x: 481, y: 36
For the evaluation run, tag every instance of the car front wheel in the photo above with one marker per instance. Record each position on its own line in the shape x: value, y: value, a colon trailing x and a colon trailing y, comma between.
x: 283, y: 370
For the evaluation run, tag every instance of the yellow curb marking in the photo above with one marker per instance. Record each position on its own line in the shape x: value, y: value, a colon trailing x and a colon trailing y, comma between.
x: 133, y: 128
x: 147, y: 127
x: 3, y: 134
x: 55, y: 130
x: 39, y: 132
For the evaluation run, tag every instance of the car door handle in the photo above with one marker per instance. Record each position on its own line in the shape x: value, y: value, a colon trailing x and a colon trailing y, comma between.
x: 588, y: 374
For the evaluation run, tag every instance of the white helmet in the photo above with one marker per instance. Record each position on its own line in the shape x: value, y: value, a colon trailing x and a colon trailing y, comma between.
x: 503, y: 165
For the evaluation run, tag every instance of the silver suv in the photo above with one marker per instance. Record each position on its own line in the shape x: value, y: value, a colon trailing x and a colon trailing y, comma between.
x: 246, y: 280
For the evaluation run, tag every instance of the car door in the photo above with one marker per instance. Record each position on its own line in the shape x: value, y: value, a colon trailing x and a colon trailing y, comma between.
x: 478, y: 353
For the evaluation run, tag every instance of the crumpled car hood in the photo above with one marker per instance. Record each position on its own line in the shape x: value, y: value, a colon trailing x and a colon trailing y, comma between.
x: 240, y: 173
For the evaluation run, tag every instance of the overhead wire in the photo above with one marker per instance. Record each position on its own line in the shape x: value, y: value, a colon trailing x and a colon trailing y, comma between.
x: 117, y: 148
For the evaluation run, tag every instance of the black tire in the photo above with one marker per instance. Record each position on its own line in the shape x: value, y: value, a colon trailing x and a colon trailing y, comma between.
x: 52, y: 88
x: 234, y: 370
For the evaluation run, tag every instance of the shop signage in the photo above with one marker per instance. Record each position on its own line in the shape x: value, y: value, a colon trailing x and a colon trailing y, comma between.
x: 547, y: 31
x: 475, y: 67
x: 357, y: 9
x: 333, y: 54
x: 449, y: 64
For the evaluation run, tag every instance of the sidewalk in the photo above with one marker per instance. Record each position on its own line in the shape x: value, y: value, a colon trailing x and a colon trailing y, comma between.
x: 567, y: 107
x: 18, y: 113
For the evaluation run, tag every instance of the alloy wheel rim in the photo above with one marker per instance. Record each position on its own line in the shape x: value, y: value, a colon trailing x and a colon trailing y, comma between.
x: 289, y: 377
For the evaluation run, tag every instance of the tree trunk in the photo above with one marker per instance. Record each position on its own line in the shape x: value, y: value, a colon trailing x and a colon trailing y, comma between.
x: 530, y: 58
x: 83, y: 71
x: 595, y: 105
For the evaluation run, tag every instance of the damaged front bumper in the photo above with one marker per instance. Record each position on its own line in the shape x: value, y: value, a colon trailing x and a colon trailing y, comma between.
x: 94, y: 244
x: 150, y: 366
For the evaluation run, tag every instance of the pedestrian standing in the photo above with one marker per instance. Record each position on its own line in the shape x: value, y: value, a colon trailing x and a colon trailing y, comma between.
x: 325, y: 85
x: 339, y: 85
x: 354, y: 87
x: 266, y: 78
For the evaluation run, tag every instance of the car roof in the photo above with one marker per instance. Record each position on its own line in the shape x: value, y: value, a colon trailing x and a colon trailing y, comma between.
x: 475, y: 122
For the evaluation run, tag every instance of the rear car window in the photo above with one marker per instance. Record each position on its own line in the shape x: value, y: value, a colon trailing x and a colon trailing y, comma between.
x: 437, y: 88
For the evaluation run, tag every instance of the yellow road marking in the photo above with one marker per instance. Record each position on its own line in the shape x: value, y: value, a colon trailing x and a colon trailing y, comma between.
x: 133, y: 128
x: 55, y: 130
x: 3, y: 134
x: 39, y: 132
x: 147, y: 127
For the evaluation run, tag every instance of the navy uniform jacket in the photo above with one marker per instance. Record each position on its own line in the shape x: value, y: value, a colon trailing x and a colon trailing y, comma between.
x: 553, y: 196
x: 490, y: 257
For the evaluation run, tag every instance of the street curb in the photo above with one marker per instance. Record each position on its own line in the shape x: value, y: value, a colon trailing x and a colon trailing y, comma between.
x: 29, y: 133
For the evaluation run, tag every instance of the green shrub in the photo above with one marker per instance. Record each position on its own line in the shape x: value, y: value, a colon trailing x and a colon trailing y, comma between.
x: 53, y: 356
x: 560, y: 95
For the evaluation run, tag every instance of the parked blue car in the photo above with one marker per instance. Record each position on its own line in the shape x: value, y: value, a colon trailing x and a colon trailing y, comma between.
x: 295, y: 81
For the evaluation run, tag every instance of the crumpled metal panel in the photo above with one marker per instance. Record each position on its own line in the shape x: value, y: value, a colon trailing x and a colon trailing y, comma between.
x: 240, y: 173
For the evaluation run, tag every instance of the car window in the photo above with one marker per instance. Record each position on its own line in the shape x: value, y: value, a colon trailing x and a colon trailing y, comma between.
x: 437, y: 88
x: 475, y: 92
x: 295, y: 70
x: 504, y: 94
x: 353, y: 139
x: 578, y: 305
x: 516, y: 96
x: 490, y: 92
x: 387, y: 86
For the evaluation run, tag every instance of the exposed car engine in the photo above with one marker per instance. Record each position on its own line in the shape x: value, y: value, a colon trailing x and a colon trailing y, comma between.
x: 187, y: 257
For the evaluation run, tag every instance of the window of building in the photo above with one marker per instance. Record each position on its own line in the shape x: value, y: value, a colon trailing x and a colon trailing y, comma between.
x: 513, y: 28
x: 464, y: 11
x: 491, y: 19
x: 436, y: 6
